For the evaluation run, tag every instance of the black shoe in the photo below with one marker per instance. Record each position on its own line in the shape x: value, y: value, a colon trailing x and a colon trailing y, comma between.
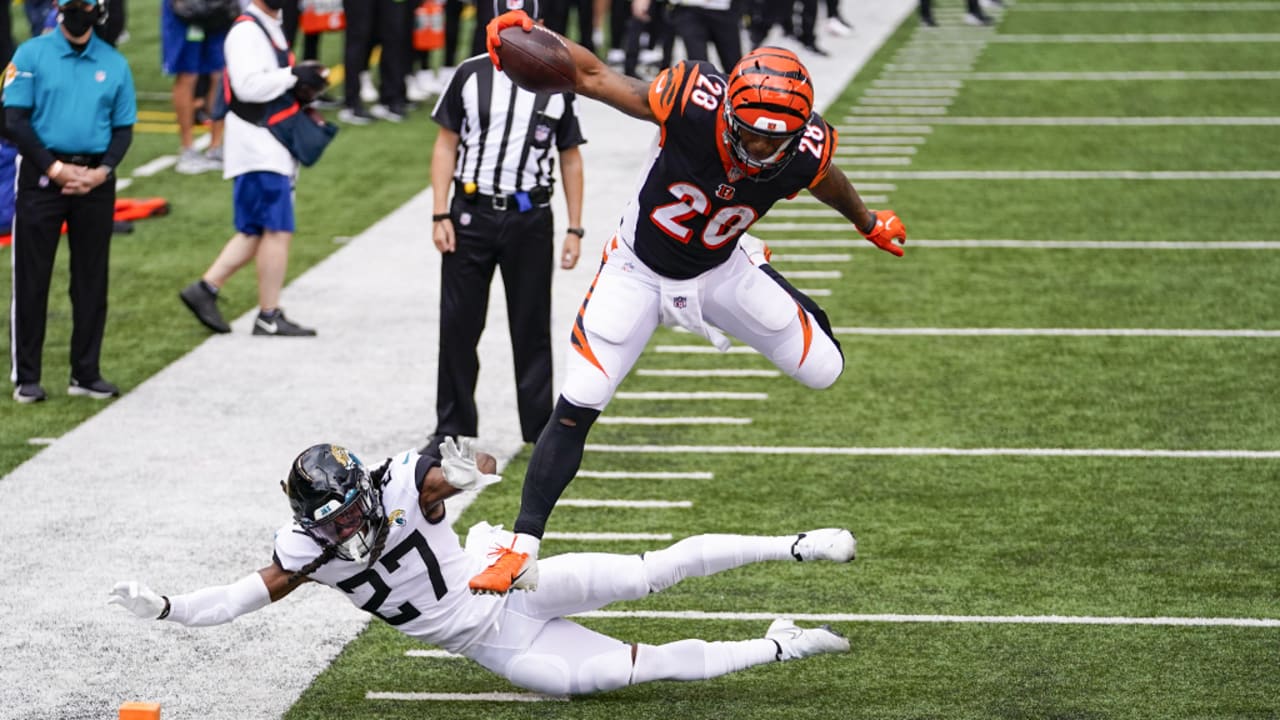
x: 927, y: 21
x: 27, y: 393
x: 813, y: 48
x: 278, y: 324
x: 205, y: 306
x: 325, y: 101
x: 97, y: 389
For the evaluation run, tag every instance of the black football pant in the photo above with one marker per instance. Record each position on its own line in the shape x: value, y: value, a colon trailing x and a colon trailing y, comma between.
x: 521, y: 245
x: 697, y: 27
x: 358, y: 43
x: 37, y: 229
x: 395, y: 32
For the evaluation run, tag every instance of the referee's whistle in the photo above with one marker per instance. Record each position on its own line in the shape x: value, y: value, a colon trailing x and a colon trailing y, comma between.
x: 470, y: 188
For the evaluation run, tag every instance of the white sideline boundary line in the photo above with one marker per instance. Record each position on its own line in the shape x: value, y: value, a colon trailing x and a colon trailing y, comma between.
x: 966, y: 619
x: 940, y: 451
x: 1059, y: 332
x: 464, y: 697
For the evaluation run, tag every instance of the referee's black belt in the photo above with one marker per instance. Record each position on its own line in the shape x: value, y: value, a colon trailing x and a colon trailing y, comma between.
x: 537, y: 197
x: 85, y: 159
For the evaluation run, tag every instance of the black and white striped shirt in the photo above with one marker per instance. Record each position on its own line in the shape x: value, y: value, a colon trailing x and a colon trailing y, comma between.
x: 508, y: 135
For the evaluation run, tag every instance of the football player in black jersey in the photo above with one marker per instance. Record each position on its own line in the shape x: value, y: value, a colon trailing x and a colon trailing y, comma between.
x: 727, y: 149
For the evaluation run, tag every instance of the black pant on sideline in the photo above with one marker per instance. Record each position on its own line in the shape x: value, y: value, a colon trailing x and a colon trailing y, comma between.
x: 38, y: 216
x: 395, y: 31
x: 361, y: 16
x: 697, y: 27
x: 521, y: 245
x: 557, y: 18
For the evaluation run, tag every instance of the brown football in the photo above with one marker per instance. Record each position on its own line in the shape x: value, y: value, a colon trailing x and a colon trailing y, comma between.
x: 537, y: 61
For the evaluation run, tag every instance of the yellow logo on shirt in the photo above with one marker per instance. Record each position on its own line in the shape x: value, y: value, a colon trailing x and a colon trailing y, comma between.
x: 10, y: 73
x: 396, y: 517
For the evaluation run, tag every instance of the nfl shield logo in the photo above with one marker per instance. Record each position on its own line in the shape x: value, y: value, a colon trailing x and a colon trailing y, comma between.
x: 735, y: 174
x: 541, y: 133
x: 680, y: 302
x: 725, y: 192
x: 100, y: 75
x: 465, y: 218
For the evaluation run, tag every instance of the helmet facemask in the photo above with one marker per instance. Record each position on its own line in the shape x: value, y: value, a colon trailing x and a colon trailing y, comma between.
x: 769, y: 94
x: 767, y: 168
x: 337, y: 504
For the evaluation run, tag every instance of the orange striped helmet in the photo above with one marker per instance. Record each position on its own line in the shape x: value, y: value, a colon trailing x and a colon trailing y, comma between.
x: 769, y: 94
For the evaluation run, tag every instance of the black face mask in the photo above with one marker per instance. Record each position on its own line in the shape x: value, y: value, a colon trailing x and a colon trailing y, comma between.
x: 78, y: 20
x: 274, y: 4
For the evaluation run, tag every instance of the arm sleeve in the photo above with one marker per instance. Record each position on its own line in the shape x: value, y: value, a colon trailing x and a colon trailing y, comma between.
x: 121, y: 139
x: 255, y: 76
x: 220, y: 604
x: 568, y: 130
x: 17, y: 122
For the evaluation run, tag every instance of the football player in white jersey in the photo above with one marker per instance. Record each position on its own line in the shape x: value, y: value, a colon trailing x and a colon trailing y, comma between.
x: 381, y: 538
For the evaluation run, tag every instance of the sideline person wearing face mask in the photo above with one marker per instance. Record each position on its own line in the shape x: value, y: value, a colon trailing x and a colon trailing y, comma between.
x: 69, y: 106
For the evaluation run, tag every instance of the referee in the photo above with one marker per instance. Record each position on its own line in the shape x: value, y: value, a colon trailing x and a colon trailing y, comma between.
x: 69, y: 107
x: 494, y: 148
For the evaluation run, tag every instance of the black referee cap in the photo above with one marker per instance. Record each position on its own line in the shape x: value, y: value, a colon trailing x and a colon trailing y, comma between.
x: 532, y: 8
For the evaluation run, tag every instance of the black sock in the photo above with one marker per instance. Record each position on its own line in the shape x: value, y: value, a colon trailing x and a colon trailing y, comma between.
x: 556, y: 459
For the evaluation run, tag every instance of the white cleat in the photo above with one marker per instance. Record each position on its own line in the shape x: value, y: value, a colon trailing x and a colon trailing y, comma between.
x: 834, y: 544
x: 795, y: 642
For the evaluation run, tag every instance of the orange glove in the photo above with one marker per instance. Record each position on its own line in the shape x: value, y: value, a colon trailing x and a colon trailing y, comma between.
x: 508, y: 19
x: 887, y: 229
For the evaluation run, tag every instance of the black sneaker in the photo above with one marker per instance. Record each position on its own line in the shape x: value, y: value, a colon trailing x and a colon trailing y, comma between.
x: 278, y: 324
x: 27, y: 393
x: 205, y: 306
x: 97, y: 389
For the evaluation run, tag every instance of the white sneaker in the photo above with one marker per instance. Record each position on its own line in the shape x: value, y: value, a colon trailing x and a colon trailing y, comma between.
x: 833, y: 544
x: 192, y: 162
x: 795, y: 642
x: 615, y: 56
x: 382, y: 112
x: 444, y: 76
x: 427, y: 82
x: 837, y: 27
x: 412, y: 91
x: 977, y: 20
x: 650, y: 56
x: 368, y: 93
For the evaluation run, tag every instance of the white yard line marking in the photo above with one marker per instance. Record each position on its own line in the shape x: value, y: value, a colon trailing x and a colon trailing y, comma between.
x: 1069, y: 175
x: 922, y: 129
x: 927, y: 67
x: 814, y: 274
x: 815, y: 292
x: 876, y: 149
x: 464, y: 697
x: 1126, y: 38
x: 765, y: 225
x: 899, y: 618
x: 721, y: 373
x: 823, y: 212
x: 628, y: 420
x: 811, y: 258
x: 854, y: 137
x: 938, y: 451
x: 910, y: 92
x: 649, y: 504
x: 123, y: 183
x: 147, y: 169
x: 899, y: 109
x: 1093, y: 7
x: 692, y: 396
x: 1058, y: 332
x: 1068, y: 121
x: 628, y: 475
x: 1143, y: 75
x: 919, y: 101
x: 607, y: 537
x: 41, y: 441
x: 916, y: 83
x: 811, y: 200
x: 1038, y: 244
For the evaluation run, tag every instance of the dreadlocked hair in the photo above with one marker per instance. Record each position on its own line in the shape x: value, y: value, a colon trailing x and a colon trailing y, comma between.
x: 329, y: 552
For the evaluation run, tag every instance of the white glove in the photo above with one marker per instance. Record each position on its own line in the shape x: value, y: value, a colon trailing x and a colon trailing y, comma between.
x: 137, y: 599
x: 459, y: 466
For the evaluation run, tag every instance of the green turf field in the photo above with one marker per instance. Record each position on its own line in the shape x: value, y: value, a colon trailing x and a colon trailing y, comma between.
x: 1027, y: 505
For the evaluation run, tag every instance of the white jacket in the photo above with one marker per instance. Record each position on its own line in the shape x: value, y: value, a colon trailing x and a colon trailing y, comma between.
x: 255, y: 76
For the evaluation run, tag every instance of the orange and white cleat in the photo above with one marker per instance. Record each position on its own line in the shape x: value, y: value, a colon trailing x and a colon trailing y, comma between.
x: 510, y: 571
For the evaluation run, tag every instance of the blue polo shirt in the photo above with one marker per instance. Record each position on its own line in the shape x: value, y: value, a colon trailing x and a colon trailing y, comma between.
x: 76, y: 97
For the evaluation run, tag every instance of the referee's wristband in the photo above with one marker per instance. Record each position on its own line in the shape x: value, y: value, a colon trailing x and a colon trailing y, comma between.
x: 440, y: 216
x: 576, y: 231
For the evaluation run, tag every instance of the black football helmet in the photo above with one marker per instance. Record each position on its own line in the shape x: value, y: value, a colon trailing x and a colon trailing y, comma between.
x: 336, y: 503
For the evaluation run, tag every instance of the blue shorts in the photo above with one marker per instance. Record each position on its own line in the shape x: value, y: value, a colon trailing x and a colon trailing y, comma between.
x: 181, y: 55
x: 263, y: 203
